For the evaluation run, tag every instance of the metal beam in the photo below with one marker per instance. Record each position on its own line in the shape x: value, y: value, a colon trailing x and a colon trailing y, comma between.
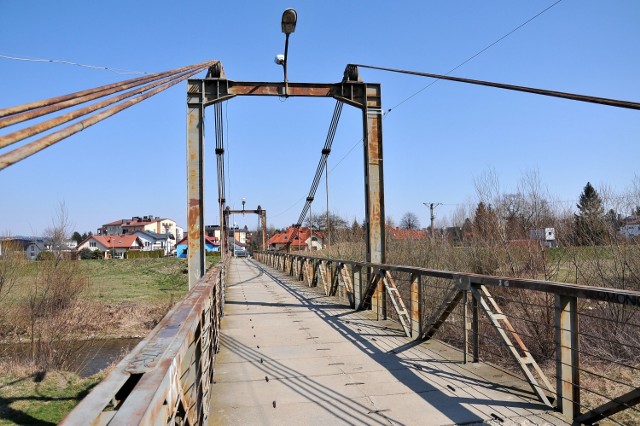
x: 195, y: 191
x: 215, y: 90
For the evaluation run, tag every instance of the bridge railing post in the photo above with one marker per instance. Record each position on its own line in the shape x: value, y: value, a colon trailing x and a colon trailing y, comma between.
x: 417, y: 306
x: 567, y: 356
x: 356, y: 278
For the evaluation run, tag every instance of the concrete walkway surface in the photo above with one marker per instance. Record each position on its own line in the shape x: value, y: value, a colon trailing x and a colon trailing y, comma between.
x: 292, y: 356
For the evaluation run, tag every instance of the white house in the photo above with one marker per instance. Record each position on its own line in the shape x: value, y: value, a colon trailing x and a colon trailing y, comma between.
x: 630, y: 229
x: 114, y: 246
x: 546, y: 235
x: 152, y: 241
x: 33, y: 246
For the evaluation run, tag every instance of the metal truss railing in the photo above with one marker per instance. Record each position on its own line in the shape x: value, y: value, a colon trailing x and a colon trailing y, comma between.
x: 578, y: 346
x: 167, y: 378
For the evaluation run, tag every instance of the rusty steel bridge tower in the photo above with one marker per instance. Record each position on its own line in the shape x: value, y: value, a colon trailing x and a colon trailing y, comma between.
x: 216, y: 88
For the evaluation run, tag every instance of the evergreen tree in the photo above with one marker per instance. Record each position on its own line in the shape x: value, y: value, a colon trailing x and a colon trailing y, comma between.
x: 589, y: 222
x: 77, y: 237
x: 484, y: 222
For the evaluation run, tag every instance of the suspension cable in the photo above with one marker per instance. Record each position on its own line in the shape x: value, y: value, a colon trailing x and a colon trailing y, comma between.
x: 326, y: 150
x: 28, y: 115
x: 544, y: 92
x: 33, y: 147
x: 51, y: 101
x: 219, y: 129
x: 49, y: 124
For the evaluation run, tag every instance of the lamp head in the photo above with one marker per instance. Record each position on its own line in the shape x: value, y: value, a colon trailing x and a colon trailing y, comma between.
x: 289, y: 19
x: 279, y: 59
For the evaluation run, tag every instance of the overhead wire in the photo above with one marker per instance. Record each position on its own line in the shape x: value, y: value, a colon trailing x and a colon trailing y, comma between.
x: 478, y: 53
x: 469, y: 59
x: 65, y: 62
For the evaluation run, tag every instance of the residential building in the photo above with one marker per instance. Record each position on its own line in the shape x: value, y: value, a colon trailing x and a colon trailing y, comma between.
x: 140, y: 223
x: 33, y: 246
x: 301, y: 240
x: 152, y: 241
x: 630, y: 227
x: 211, y: 245
x: 406, y: 234
x: 546, y: 235
x: 113, y: 246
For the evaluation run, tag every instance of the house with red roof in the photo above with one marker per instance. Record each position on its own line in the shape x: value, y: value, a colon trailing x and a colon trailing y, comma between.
x: 149, y: 223
x: 406, y: 234
x: 296, y: 239
x: 113, y: 246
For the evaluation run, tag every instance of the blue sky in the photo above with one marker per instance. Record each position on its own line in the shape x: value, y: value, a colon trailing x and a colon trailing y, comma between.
x: 435, y: 144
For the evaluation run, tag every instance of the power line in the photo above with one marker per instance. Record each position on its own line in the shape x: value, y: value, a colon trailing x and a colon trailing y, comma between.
x: 475, y: 55
x: 62, y: 61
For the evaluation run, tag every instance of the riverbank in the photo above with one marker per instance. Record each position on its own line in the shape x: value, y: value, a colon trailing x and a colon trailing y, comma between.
x: 41, y: 372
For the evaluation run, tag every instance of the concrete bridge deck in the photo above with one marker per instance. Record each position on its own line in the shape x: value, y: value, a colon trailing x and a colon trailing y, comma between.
x: 291, y: 355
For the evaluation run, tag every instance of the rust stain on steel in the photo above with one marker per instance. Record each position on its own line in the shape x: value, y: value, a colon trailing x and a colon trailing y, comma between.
x: 59, y: 100
x: 277, y: 89
x: 31, y: 148
x: 168, y: 363
x: 194, y: 220
x: 65, y: 118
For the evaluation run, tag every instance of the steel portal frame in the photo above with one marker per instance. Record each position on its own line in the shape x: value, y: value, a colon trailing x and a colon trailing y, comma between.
x: 215, y: 88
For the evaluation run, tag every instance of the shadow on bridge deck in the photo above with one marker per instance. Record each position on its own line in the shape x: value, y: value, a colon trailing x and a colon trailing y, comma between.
x: 291, y: 355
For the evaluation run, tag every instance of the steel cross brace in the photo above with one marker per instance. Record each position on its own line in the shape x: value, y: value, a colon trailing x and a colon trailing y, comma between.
x: 495, y: 315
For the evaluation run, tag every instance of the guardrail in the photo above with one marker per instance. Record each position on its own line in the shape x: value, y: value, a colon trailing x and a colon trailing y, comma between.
x: 167, y: 377
x: 578, y: 346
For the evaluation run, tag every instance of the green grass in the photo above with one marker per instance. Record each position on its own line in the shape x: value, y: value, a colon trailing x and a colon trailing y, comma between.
x: 44, y: 398
x: 140, y: 280
x: 125, y: 280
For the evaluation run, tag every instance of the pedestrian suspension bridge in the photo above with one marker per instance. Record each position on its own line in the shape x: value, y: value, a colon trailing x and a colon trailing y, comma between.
x: 287, y: 338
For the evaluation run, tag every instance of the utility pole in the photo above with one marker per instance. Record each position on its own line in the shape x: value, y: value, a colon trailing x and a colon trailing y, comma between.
x: 432, y: 207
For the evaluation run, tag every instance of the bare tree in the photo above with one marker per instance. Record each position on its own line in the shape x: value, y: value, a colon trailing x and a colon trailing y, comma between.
x: 410, y: 221
x: 59, y: 231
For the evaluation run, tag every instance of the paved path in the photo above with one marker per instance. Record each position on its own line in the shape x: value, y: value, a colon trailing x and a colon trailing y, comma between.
x: 291, y: 356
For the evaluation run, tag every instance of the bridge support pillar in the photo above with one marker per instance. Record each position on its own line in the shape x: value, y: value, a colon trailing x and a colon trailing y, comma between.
x: 374, y: 189
x: 195, y: 190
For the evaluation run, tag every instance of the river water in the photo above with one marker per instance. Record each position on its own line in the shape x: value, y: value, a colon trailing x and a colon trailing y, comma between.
x: 90, y: 358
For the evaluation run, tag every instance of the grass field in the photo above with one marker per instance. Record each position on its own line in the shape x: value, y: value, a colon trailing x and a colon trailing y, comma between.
x: 43, y: 398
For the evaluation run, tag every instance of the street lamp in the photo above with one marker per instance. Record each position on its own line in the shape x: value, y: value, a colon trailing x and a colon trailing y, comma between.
x: 289, y: 20
x: 244, y: 200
